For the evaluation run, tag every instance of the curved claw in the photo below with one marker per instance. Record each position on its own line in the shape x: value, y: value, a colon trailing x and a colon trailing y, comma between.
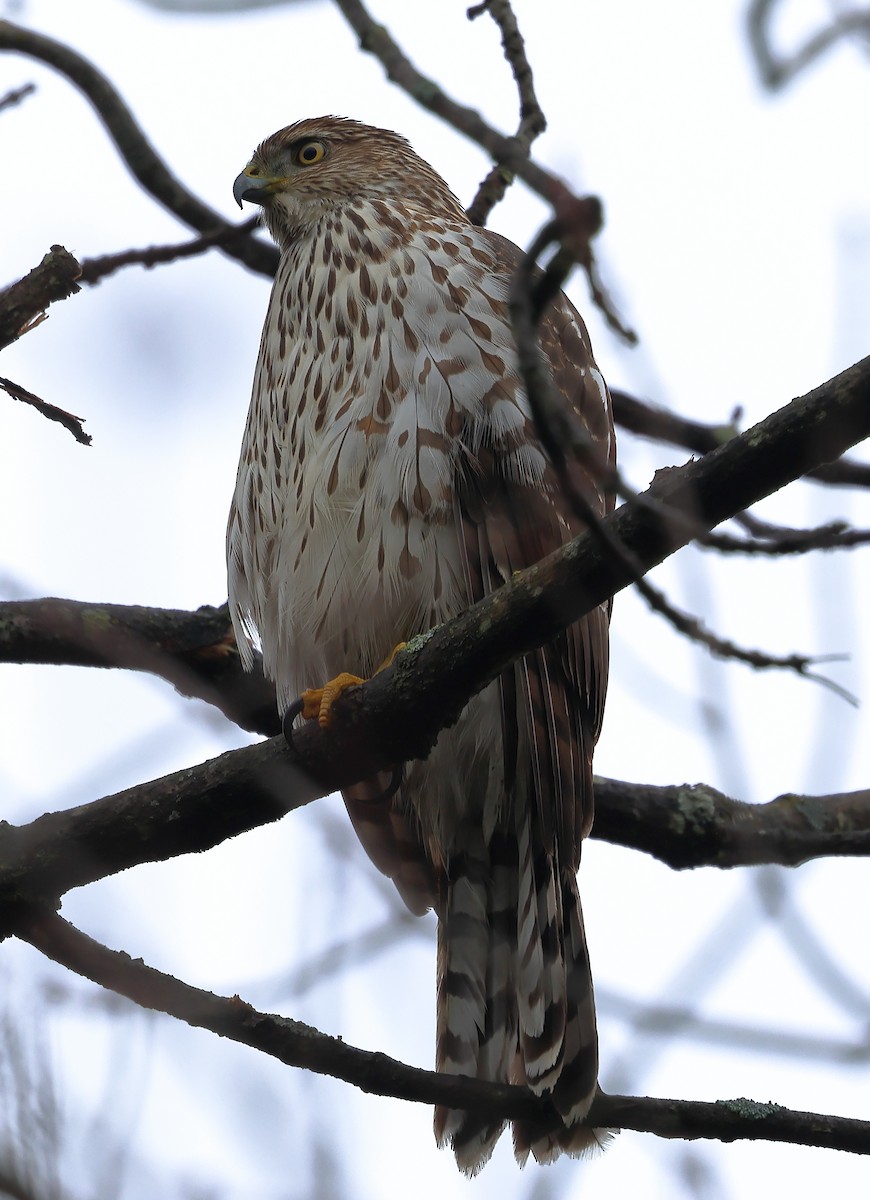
x: 294, y: 710
x: 393, y: 786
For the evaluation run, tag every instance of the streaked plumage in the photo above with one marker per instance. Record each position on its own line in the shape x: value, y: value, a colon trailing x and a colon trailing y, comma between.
x: 391, y: 475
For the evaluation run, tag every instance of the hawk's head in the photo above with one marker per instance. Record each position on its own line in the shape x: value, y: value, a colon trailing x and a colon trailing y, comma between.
x: 302, y: 173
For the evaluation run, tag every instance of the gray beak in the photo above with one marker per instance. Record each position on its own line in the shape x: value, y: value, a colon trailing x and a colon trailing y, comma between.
x: 256, y: 189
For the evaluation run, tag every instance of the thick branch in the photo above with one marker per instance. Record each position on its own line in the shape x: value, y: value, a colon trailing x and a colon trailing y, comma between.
x: 141, y: 158
x: 194, y: 651
x: 397, y: 715
x: 198, y: 808
x: 694, y: 825
x: 23, y: 304
x: 299, y: 1045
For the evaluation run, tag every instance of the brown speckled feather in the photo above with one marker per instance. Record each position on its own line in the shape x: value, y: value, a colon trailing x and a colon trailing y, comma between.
x: 390, y: 476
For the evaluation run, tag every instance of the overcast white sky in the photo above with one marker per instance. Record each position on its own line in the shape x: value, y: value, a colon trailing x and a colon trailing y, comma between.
x: 738, y: 244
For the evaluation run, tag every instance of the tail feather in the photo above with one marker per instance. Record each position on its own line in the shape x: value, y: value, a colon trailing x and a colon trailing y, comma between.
x: 540, y: 993
x: 574, y: 1087
x: 515, y: 999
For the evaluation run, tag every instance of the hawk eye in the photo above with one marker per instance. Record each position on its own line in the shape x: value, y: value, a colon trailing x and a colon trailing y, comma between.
x: 310, y: 153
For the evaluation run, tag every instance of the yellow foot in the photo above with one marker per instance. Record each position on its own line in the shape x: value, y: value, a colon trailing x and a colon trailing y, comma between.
x: 318, y: 702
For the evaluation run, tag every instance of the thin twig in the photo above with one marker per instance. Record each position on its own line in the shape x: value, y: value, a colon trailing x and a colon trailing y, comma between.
x: 566, y: 441
x: 776, y: 70
x: 837, y: 535
x: 141, y: 158
x: 68, y: 420
x: 661, y: 425
x: 532, y: 119
x: 16, y: 95
x: 96, y: 269
x: 572, y: 211
x: 695, y: 630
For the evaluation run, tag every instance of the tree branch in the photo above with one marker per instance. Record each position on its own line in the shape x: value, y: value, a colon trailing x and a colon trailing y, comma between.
x: 194, y: 651
x: 139, y: 155
x: 97, y: 268
x: 776, y: 70
x: 572, y: 212
x: 661, y: 425
x: 200, y: 807
x: 23, y: 303
x: 16, y: 95
x: 398, y: 714
x: 69, y: 420
x: 532, y: 119
x: 694, y: 825
x: 299, y: 1045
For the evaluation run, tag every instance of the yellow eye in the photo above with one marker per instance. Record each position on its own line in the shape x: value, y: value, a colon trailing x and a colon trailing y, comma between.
x: 310, y: 153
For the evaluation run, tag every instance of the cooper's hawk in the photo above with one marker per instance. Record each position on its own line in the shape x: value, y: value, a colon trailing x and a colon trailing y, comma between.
x: 390, y: 476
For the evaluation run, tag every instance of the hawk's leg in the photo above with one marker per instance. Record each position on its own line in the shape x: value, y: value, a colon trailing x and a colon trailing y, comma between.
x: 318, y: 702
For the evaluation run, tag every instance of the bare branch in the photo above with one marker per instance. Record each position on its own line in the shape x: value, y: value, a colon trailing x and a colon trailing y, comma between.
x: 141, y: 158
x: 760, y: 660
x: 194, y: 651
x: 661, y: 425
x: 193, y: 810
x: 568, y: 444
x: 776, y: 70
x: 23, y: 304
x: 299, y: 1045
x: 16, y: 95
x: 95, y: 269
x: 694, y: 825
x: 532, y: 119
x: 836, y: 535
x: 572, y: 212
x: 69, y: 420
x: 398, y: 714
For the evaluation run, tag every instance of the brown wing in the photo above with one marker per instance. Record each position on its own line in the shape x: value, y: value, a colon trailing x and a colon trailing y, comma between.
x: 553, y: 700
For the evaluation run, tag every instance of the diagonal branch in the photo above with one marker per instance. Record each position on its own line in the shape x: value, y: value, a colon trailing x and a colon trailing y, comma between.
x: 200, y: 807
x: 69, y: 420
x: 97, y: 268
x: 142, y: 160
x: 398, y: 714
x: 571, y: 211
x: 661, y: 425
x: 299, y: 1045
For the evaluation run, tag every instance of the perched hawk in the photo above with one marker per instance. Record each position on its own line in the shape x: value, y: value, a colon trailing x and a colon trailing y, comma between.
x: 390, y: 476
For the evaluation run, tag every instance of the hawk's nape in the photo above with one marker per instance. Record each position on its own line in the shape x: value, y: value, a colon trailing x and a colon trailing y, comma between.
x: 390, y: 476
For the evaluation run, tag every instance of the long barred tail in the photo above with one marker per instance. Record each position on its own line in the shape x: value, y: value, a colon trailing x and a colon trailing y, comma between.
x: 515, y: 1001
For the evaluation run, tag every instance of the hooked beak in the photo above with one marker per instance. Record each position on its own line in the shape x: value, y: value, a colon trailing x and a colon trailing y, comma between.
x: 256, y: 189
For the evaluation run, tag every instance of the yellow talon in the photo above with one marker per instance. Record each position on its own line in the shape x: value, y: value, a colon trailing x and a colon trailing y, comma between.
x: 318, y: 702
